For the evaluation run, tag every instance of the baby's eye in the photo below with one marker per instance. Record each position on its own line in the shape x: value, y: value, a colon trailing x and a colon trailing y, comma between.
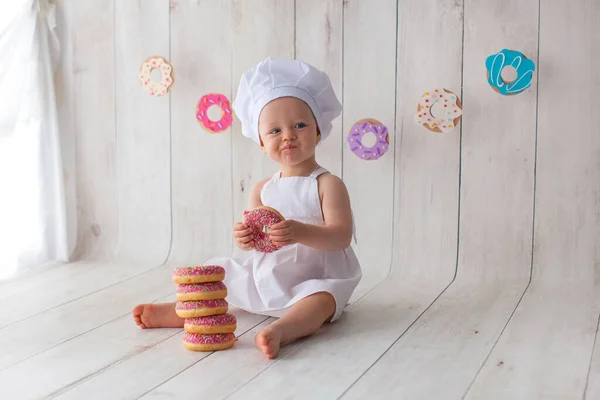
x: 300, y: 125
x: 275, y: 131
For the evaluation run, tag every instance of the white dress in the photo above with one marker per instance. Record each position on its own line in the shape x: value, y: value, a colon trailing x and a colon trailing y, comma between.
x: 270, y: 283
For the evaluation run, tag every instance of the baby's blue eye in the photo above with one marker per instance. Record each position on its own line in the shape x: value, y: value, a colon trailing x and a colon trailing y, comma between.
x: 275, y: 131
x: 300, y: 125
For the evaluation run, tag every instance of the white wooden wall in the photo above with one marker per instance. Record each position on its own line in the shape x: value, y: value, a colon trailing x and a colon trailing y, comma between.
x: 480, y: 248
x: 155, y: 187
x: 151, y: 186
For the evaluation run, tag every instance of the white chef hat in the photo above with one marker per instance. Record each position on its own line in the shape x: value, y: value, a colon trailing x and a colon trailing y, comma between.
x: 273, y: 78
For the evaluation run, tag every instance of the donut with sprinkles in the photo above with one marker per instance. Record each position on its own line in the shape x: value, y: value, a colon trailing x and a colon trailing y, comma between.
x: 259, y: 220
x: 447, y: 110
x: 202, y: 342
x: 198, y: 274
x: 161, y: 87
x: 359, y: 130
x: 201, y: 308
x: 220, y: 101
x: 201, y: 291
x: 222, y: 323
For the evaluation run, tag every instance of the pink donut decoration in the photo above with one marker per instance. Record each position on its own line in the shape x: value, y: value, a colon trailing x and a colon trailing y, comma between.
x: 362, y: 127
x: 207, y: 101
x: 258, y: 219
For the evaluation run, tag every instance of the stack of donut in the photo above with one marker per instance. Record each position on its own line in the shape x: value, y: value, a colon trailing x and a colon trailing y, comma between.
x: 201, y: 301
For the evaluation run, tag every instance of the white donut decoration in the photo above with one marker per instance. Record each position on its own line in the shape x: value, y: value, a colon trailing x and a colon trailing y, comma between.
x: 166, y: 76
x: 448, y: 111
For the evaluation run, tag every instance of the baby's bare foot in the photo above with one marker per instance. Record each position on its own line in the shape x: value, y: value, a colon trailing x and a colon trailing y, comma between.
x: 268, y: 341
x: 157, y: 316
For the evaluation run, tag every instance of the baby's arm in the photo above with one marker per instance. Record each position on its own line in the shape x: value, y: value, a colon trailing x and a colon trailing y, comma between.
x: 254, y: 195
x: 335, y: 203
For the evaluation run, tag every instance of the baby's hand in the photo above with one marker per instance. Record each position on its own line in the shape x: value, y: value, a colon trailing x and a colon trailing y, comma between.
x: 287, y: 232
x: 243, y: 236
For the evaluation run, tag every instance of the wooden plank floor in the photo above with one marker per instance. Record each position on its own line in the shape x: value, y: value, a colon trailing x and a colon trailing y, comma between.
x: 402, y: 339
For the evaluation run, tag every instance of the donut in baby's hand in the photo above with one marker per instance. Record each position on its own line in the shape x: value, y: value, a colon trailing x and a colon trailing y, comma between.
x: 260, y: 220
x: 201, y: 291
x: 223, y: 323
x: 201, y: 342
x: 199, y: 274
x: 201, y: 308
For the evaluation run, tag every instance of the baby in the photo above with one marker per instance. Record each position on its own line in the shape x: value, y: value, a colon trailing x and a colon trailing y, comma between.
x: 287, y: 106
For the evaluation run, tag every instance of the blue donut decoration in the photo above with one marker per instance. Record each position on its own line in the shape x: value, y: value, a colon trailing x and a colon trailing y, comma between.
x: 509, y: 58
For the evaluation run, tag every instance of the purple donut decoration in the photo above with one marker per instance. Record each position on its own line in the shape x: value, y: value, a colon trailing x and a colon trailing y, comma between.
x: 361, y: 128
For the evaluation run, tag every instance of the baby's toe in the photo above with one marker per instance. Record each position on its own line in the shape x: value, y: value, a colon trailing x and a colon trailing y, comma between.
x: 268, y: 342
x: 262, y: 340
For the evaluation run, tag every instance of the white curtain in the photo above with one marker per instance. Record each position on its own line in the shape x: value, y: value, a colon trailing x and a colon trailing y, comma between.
x: 32, y: 205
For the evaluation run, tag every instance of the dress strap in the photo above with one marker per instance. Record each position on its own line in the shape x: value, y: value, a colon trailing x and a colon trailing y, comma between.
x: 318, y: 171
x: 353, y: 228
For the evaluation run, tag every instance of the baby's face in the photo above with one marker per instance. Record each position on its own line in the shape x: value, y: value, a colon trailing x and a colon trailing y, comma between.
x: 288, y: 130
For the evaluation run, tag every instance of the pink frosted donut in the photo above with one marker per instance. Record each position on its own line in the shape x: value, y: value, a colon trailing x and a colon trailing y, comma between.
x: 199, y: 274
x: 201, y: 291
x: 201, y: 342
x: 201, y: 308
x: 205, y: 103
x: 258, y: 219
x: 223, y: 323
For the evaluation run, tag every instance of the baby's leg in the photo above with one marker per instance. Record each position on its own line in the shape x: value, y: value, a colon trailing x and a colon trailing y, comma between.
x: 157, y: 316
x: 303, y: 319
